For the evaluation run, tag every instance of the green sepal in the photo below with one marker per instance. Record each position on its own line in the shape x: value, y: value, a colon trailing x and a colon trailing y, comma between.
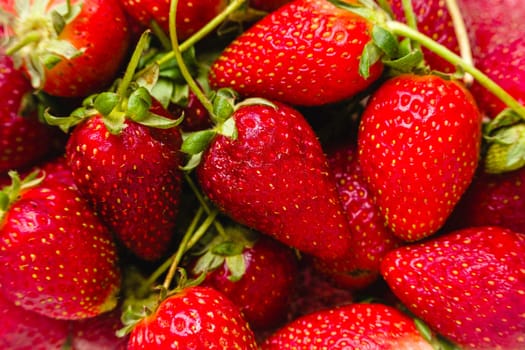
x: 196, y: 142
x: 505, y: 118
x: 236, y: 266
x: 385, y: 40
x: 139, y: 104
x: 406, y: 63
x: 228, y: 129
x: 365, y: 8
x: 105, y: 102
x: 506, y: 150
x: 223, y: 101
x: 10, y: 193
x: 193, y: 162
x: 66, y: 123
x: 370, y: 55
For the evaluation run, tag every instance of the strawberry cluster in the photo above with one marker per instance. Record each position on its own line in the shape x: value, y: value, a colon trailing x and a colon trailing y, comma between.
x: 244, y: 174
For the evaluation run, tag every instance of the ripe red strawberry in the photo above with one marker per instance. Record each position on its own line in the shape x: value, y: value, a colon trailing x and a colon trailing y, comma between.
x: 355, y: 326
x: 191, y: 15
x: 98, y: 332
x: 305, y: 53
x: 419, y: 143
x: 258, y: 276
x: 274, y: 178
x: 195, y: 318
x: 468, y: 285
x: 23, y: 139
x: 132, y: 179
x: 26, y: 330
x: 196, y: 117
x: 433, y: 20
x: 74, y: 58
x: 267, y: 5
x: 372, y: 238
x: 57, y: 258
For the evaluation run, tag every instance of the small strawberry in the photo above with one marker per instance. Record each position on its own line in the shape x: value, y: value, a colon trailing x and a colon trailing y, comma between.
x: 468, y: 285
x: 257, y: 274
x: 274, y: 177
x: 57, y: 258
x: 73, y: 54
x: 194, y: 318
x: 419, y: 143
x: 355, y: 326
x: 98, y: 332
x: 305, y: 53
x: 26, y: 330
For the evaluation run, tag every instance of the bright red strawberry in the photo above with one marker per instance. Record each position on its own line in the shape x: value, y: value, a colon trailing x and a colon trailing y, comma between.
x: 23, y: 139
x: 195, y: 318
x: 57, y: 258
x: 132, y: 178
x: 355, y: 326
x: 371, y: 237
x: 468, y: 285
x: 98, y: 333
x: 434, y: 20
x: 419, y: 143
x: 274, y: 178
x: 73, y: 57
x: 258, y: 276
x: 26, y: 330
x: 305, y: 53
x: 191, y: 15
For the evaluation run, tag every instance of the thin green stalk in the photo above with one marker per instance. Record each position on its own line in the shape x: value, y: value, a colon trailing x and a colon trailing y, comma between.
x: 402, y: 29
x: 133, y: 63
x: 410, y: 17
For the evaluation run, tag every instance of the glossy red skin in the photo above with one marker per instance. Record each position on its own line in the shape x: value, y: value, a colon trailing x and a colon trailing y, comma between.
x: 57, y: 258
x: 306, y: 53
x: 433, y: 20
x: 355, y: 326
x: 468, y: 285
x: 133, y: 180
x: 98, y: 332
x: 274, y: 178
x: 23, y: 139
x: 26, y: 330
x: 194, y: 319
x: 419, y: 143
x: 191, y: 15
x: 370, y: 235
x: 265, y: 290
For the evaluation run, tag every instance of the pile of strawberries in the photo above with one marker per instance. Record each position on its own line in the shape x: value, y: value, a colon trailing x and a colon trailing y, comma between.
x: 304, y: 174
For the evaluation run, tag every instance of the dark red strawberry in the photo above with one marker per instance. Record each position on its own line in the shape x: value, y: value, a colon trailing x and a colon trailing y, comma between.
x: 196, y: 117
x: 191, y: 15
x: 355, y: 326
x: 195, y: 318
x: 274, y: 177
x: 267, y: 5
x: 257, y: 275
x: 72, y: 57
x: 23, y: 139
x: 419, y: 143
x: 98, y: 333
x: 468, y: 285
x: 132, y: 178
x: 57, y: 258
x: 371, y: 237
x: 305, y: 53
x: 26, y: 330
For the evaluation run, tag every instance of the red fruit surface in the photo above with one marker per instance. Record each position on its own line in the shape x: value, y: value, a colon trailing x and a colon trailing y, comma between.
x: 132, y: 179
x: 274, y: 178
x: 267, y: 5
x: 305, y: 53
x: 98, y: 333
x: 469, y: 285
x: 355, y: 326
x: 419, y: 143
x: 196, y: 318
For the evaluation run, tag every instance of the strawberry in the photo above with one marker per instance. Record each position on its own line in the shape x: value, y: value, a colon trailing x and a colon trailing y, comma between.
x: 191, y: 15
x: 305, y: 53
x: 267, y: 5
x: 195, y: 318
x: 355, y: 326
x: 274, y: 177
x: 98, y: 332
x: 257, y: 275
x: 73, y: 55
x: 419, y: 142
x: 469, y: 285
x: 372, y: 238
x: 196, y: 117
x: 133, y: 172
x: 25, y: 330
x: 24, y: 140
x: 57, y: 258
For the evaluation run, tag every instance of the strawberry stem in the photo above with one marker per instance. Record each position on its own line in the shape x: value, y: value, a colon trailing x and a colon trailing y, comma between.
x: 133, y: 64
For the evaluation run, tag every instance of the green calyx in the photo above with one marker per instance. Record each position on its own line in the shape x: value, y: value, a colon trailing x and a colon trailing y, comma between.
x: 10, y: 193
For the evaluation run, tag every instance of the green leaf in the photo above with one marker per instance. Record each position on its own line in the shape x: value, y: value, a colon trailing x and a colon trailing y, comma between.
x: 406, y: 63
x: 237, y: 267
x: 505, y: 118
x: 149, y: 77
x: 162, y: 91
x: 106, y: 102
x: 192, y: 162
x: 371, y: 54
x: 228, y: 248
x: 228, y: 129
x: 196, y: 142
x: 139, y: 104
x: 158, y: 121
x: 66, y: 123
x: 385, y: 40
x: 223, y: 104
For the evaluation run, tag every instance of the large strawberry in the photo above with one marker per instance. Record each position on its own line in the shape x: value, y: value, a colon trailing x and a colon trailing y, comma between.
x: 69, y: 49
x: 354, y: 326
x: 419, y: 143
x: 57, y: 258
x: 468, y: 285
x: 274, y: 178
x: 194, y: 318
x: 305, y: 53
